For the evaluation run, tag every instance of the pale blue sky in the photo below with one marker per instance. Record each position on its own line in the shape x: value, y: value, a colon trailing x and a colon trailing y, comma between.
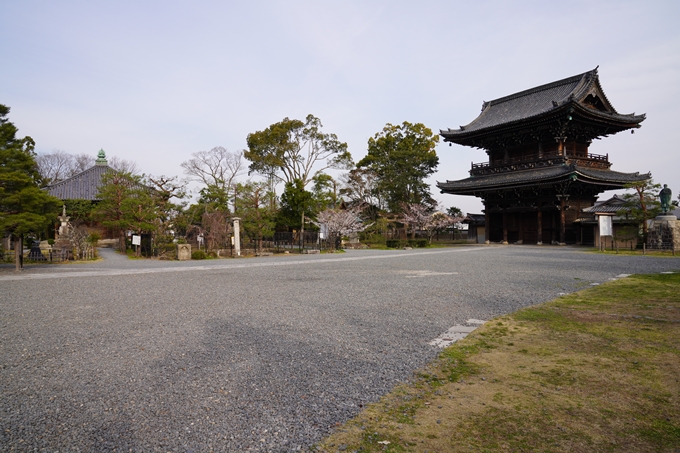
x: 155, y: 81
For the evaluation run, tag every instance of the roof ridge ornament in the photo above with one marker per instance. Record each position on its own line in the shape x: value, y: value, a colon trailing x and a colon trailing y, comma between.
x: 101, y: 158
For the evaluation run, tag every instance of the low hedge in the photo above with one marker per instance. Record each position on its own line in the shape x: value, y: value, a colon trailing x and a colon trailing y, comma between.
x: 393, y: 243
x: 198, y: 255
x: 398, y: 243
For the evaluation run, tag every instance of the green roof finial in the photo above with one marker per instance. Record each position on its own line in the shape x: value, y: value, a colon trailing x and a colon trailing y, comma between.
x: 101, y: 158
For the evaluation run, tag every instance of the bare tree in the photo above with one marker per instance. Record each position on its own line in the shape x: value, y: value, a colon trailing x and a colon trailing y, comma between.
x: 82, y: 162
x: 216, y: 230
x: 217, y: 169
x: 59, y: 165
x: 123, y: 165
x: 55, y: 166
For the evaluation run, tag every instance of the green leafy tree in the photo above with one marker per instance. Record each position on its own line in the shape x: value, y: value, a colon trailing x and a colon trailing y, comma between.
x: 24, y: 208
x: 293, y: 150
x: 402, y: 156
x: 168, y: 195
x: 455, y: 212
x: 115, y: 189
x: 142, y: 212
x: 258, y: 219
x: 81, y: 211
x: 296, y: 203
x: 126, y: 204
x: 642, y: 204
x: 324, y: 192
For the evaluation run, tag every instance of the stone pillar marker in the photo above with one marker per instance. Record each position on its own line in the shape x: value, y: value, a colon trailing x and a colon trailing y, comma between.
x: 237, y: 235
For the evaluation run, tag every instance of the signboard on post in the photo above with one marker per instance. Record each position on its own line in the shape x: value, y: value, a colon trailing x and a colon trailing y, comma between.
x: 605, y: 227
x: 605, y: 223
x: 136, y: 239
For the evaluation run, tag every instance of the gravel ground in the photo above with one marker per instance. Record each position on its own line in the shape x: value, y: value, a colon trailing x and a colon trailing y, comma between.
x: 265, y: 354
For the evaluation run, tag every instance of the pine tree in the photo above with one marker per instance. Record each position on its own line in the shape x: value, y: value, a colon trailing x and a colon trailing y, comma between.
x: 24, y: 207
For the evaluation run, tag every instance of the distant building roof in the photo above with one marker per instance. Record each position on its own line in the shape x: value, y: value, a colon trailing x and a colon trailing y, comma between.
x: 475, y: 219
x: 580, y: 97
x: 85, y: 185
x: 610, y: 206
x: 614, y: 205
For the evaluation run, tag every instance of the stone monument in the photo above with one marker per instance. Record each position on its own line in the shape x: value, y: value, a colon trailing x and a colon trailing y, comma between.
x: 183, y: 252
x: 664, y: 230
x: 63, y: 244
x: 63, y: 218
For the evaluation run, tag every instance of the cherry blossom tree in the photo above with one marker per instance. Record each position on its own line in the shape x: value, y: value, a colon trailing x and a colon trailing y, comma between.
x: 340, y: 222
x: 421, y: 217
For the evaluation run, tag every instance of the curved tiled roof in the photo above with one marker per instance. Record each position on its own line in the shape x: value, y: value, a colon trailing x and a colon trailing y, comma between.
x: 542, y: 100
x: 537, y: 176
x: 83, y: 186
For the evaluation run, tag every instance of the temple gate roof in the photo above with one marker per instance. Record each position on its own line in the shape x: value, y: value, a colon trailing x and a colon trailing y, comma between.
x: 579, y: 99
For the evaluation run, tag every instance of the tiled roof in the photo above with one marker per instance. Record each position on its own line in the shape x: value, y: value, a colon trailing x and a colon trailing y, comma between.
x: 613, y: 205
x: 475, y: 219
x: 537, y: 176
x: 616, y: 204
x: 541, y: 100
x: 612, y: 176
x: 83, y: 186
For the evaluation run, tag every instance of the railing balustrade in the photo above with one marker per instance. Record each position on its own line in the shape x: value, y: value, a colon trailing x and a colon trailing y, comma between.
x: 598, y: 160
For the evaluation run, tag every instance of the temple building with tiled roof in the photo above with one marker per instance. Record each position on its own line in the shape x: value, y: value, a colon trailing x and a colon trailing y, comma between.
x: 85, y: 185
x: 540, y: 174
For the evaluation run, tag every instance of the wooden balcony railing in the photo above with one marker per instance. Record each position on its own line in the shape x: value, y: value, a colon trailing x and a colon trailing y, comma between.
x: 546, y: 160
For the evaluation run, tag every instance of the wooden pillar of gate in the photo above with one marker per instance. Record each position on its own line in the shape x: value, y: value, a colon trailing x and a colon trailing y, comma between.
x: 539, y: 226
x: 505, y: 227
x: 563, y: 219
x: 487, y: 226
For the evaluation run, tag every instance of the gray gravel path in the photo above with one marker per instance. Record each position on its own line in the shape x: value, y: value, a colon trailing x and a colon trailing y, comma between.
x: 265, y: 354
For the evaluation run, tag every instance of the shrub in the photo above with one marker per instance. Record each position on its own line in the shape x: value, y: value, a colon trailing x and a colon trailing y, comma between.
x: 417, y: 243
x: 393, y: 243
x: 198, y: 255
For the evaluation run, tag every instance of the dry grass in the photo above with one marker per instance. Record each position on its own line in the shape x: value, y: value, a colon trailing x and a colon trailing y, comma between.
x: 597, y: 370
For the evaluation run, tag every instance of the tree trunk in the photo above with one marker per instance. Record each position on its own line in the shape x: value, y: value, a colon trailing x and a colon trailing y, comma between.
x: 302, y: 233
x: 18, y: 253
x: 121, y: 242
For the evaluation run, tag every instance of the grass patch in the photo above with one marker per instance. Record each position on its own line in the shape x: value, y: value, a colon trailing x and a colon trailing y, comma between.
x: 637, y: 252
x: 596, y: 370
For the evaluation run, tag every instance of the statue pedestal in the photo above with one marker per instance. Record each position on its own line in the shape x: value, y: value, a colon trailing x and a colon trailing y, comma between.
x: 664, y: 233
